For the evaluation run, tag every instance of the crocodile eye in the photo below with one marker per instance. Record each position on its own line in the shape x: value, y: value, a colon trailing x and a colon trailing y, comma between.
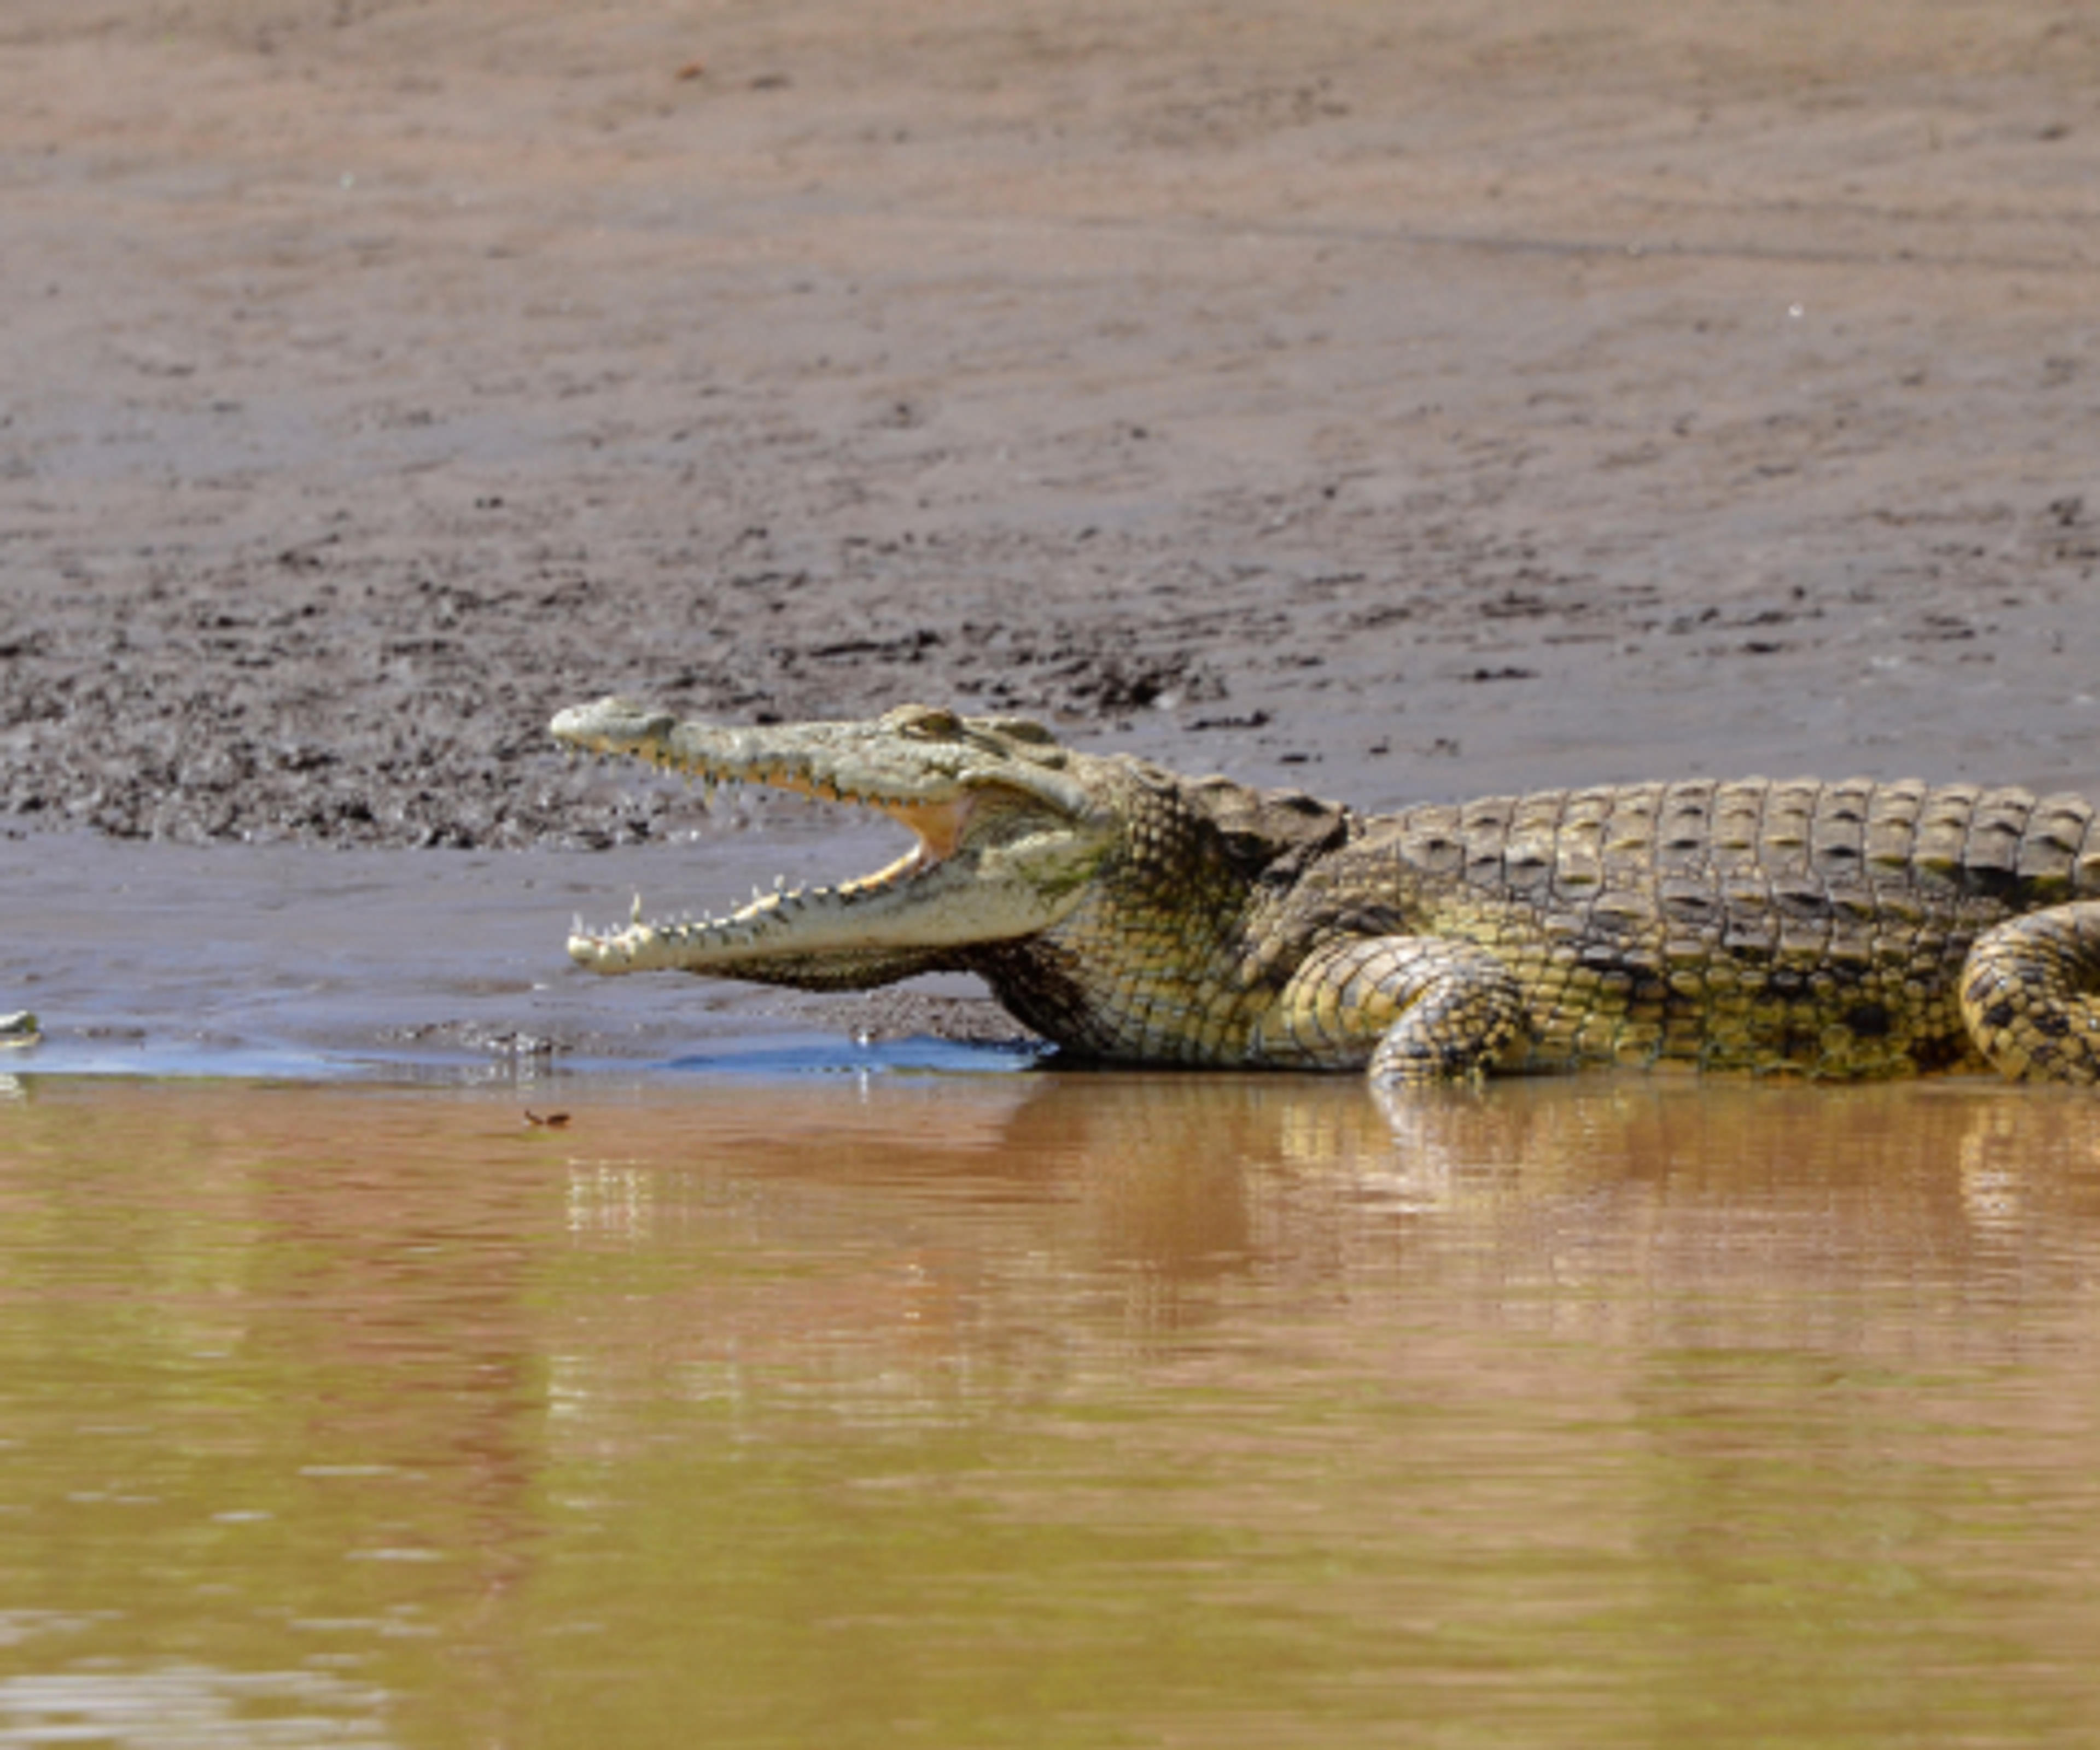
x: 929, y: 723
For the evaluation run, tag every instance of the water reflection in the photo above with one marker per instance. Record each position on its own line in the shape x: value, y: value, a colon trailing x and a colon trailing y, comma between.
x: 182, y: 1707
x: 1241, y: 1410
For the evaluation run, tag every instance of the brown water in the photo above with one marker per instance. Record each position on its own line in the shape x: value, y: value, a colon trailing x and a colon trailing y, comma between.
x: 993, y: 1410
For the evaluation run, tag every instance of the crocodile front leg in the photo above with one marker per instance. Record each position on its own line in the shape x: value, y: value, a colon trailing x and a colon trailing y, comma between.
x: 1411, y: 1008
x: 2031, y: 995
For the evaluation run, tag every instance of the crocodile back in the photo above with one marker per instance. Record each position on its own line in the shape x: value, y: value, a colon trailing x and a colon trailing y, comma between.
x: 1761, y: 845
x: 1756, y: 922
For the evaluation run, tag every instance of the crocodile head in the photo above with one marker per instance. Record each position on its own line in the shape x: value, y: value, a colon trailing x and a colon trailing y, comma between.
x: 1009, y: 834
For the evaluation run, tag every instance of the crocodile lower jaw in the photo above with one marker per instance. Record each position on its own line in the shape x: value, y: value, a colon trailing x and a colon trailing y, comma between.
x: 790, y: 920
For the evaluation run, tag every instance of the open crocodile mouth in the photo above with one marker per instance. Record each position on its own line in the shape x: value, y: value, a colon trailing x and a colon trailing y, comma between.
x: 966, y: 877
x: 790, y: 918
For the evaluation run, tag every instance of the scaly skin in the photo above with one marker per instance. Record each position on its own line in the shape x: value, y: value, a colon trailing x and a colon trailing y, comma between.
x: 1132, y: 915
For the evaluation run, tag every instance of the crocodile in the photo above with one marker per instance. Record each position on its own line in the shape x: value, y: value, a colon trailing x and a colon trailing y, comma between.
x: 1132, y: 915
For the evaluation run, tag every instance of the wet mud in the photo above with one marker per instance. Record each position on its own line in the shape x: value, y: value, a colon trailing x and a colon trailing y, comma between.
x: 1400, y: 406
x: 306, y: 963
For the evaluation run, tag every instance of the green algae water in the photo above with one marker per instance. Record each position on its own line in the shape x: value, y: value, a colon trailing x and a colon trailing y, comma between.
x: 985, y: 1410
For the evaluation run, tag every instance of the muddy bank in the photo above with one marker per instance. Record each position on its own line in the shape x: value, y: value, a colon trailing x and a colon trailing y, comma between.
x: 1401, y: 407
x: 318, y: 963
